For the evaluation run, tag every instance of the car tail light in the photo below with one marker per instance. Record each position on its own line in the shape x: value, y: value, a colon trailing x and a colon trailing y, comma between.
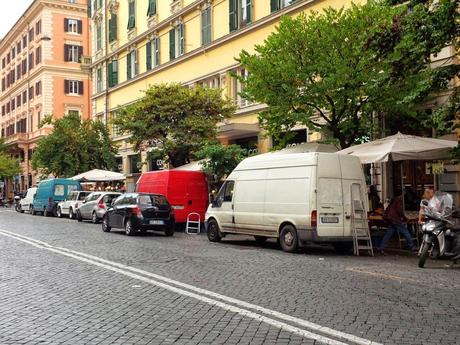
x: 136, y: 211
x: 314, y: 219
x: 50, y: 201
x: 101, y: 204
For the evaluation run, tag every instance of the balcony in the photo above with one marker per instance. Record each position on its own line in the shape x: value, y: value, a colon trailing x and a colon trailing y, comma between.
x: 176, y: 6
x: 86, y: 63
x: 18, y: 138
x: 447, y: 56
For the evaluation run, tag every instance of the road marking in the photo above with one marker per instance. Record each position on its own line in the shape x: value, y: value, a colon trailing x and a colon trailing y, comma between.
x: 192, y: 291
x: 381, y: 275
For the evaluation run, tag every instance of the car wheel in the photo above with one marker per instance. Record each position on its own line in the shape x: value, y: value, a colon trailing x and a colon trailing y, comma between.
x: 260, y: 239
x: 288, y: 239
x: 45, y: 212
x: 169, y: 231
x: 79, y: 218
x: 129, y: 230
x: 214, y: 234
x: 94, y: 218
x: 105, y: 224
x: 31, y: 210
x: 59, y: 212
x: 71, y: 214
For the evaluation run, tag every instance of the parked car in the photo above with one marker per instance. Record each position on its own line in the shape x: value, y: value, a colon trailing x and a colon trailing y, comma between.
x: 50, y: 193
x: 25, y: 204
x: 186, y: 191
x: 95, y: 205
x: 296, y: 198
x: 69, y: 206
x: 140, y: 212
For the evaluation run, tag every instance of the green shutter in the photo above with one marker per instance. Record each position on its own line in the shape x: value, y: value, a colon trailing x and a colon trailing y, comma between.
x: 249, y: 10
x: 148, y: 48
x: 128, y: 66
x: 152, y: 8
x: 132, y: 15
x: 233, y: 14
x: 109, y: 74
x: 172, y: 44
x: 274, y: 5
x: 113, y: 30
x: 115, y: 72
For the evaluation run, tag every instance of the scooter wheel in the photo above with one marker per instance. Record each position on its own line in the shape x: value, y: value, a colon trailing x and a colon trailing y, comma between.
x: 423, y: 254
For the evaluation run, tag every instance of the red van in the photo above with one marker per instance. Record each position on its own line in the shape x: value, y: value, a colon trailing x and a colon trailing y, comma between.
x: 186, y: 191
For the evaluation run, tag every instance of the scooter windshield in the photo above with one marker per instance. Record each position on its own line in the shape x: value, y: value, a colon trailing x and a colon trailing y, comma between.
x: 439, y: 206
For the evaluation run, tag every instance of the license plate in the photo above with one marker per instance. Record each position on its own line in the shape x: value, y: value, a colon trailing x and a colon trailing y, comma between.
x: 326, y: 220
x: 156, y: 222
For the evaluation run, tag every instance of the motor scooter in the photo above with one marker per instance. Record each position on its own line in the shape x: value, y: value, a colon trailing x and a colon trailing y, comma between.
x: 440, y: 241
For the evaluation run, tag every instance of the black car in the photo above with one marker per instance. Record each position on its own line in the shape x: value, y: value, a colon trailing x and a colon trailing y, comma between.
x: 140, y: 212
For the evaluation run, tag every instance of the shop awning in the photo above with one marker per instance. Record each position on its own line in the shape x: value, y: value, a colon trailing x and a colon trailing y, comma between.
x: 401, y: 147
x: 97, y: 175
x: 238, y: 130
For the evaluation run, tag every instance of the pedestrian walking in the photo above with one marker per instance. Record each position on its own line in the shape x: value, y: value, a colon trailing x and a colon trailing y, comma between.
x: 394, y: 215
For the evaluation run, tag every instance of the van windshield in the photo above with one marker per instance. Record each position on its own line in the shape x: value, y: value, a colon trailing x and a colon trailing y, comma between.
x: 156, y: 200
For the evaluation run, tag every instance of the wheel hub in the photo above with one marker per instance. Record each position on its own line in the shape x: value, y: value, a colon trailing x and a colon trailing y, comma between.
x: 288, y: 238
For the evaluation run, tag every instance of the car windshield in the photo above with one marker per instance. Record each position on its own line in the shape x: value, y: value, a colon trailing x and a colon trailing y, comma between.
x: 157, y: 200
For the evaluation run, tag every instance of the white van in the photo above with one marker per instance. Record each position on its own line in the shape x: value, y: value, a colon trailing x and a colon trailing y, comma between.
x: 296, y: 197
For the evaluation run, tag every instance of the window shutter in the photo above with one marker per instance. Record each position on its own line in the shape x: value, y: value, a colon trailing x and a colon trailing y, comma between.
x: 136, y: 62
x: 128, y: 66
x: 172, y: 44
x: 66, y: 87
x: 115, y: 72
x: 148, y: 54
x: 249, y: 10
x: 89, y: 9
x: 274, y: 5
x: 80, y: 26
x: 80, y: 87
x: 109, y: 74
x: 152, y: 8
x: 80, y: 53
x: 156, y: 47
x: 132, y: 16
x: 233, y: 14
x: 66, y: 24
x: 181, y: 39
x: 66, y: 52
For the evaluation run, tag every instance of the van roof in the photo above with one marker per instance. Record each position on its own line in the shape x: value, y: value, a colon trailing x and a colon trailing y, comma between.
x: 273, y: 160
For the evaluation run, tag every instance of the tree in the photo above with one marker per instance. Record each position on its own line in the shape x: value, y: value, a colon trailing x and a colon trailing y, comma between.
x: 219, y: 161
x: 174, y: 120
x: 73, y: 147
x: 8, y: 166
x: 334, y: 71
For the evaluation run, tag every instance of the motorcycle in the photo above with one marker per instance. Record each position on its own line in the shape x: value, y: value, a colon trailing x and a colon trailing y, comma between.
x: 440, y: 241
x: 17, y: 204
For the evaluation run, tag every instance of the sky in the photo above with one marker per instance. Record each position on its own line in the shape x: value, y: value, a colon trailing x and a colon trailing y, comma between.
x: 13, y: 11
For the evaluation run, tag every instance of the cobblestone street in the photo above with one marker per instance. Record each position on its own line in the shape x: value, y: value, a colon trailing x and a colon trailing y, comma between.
x: 64, y: 282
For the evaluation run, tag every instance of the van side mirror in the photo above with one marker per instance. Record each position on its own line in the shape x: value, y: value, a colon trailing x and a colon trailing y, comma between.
x: 216, y: 203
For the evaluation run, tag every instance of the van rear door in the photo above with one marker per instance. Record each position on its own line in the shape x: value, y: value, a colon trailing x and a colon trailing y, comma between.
x: 330, y: 210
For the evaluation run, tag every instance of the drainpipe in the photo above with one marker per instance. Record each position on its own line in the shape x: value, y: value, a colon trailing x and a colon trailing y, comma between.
x: 106, y: 67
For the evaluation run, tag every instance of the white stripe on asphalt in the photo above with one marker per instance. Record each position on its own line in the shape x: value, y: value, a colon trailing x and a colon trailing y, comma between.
x: 127, y: 271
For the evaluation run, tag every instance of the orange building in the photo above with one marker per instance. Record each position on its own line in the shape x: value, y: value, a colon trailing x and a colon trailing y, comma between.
x: 41, y: 75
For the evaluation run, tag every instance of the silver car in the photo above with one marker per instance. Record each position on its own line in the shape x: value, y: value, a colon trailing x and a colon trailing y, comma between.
x: 95, y: 205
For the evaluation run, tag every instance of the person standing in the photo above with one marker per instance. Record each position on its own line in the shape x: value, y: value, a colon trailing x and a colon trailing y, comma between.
x: 394, y: 215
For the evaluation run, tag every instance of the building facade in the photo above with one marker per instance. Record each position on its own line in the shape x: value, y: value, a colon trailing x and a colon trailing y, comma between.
x: 137, y: 43
x: 41, y: 75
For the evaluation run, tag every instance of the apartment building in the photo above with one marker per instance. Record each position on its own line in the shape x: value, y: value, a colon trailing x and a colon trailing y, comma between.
x: 41, y: 75
x: 137, y: 43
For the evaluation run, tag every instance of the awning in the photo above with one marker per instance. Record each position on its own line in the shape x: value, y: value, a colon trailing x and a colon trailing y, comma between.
x: 238, y: 130
x: 97, y: 175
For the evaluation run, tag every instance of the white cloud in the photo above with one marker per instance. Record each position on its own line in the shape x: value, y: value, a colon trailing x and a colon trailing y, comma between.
x: 11, y: 13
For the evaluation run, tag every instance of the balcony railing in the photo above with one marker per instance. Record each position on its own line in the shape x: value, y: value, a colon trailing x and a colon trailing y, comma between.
x: 86, y: 62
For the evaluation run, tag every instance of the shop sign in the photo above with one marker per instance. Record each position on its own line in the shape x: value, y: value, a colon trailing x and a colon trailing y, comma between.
x: 434, y: 168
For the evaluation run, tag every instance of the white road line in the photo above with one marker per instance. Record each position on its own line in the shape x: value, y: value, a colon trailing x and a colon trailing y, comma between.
x: 161, y: 282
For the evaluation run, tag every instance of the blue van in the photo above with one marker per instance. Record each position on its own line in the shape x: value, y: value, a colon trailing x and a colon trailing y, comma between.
x: 50, y: 192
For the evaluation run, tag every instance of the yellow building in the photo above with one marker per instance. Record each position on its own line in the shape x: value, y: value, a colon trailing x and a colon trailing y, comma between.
x: 137, y: 43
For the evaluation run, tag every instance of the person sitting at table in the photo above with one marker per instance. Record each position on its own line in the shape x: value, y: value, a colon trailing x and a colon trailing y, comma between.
x: 396, y: 218
x: 374, y: 198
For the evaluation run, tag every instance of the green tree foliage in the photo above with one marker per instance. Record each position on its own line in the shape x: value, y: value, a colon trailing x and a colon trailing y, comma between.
x: 335, y: 70
x: 174, y: 120
x: 73, y: 147
x: 219, y: 161
x: 8, y: 166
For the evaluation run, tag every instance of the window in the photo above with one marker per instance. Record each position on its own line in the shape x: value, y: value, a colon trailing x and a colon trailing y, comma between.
x: 24, y: 97
x: 19, y: 47
x: 31, y: 34
x: 38, y: 55
x: 18, y: 100
x: 176, y: 42
x: 73, y: 113
x: 212, y: 83
x: 132, y: 64
x: 38, y: 27
x: 13, y: 104
x: 13, y: 52
x: 113, y: 73
x: 206, y: 33
x: 113, y: 27
x: 72, y: 1
x: 225, y: 193
x: 3, y: 110
x: 72, y: 53
x: 8, y: 58
x: 98, y: 36
x: 31, y: 61
x: 73, y: 25
x: 152, y: 9
x: 18, y: 71
x: 73, y: 87
x: 99, y: 80
x: 24, y: 66
x: 241, y: 101
x: 59, y: 190
x: 31, y: 93
x: 24, y: 42
x: 153, y: 53
x: 132, y: 14
x: 240, y: 12
x: 275, y: 5
x: 134, y: 163
x: 3, y: 62
x: 38, y: 88
x: 3, y: 84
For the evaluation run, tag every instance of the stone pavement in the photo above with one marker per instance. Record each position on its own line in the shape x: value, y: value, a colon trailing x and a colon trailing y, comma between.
x: 49, y: 298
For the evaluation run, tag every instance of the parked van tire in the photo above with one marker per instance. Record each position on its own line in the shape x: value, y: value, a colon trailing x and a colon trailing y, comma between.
x: 213, y: 233
x: 46, y: 213
x: 288, y: 239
